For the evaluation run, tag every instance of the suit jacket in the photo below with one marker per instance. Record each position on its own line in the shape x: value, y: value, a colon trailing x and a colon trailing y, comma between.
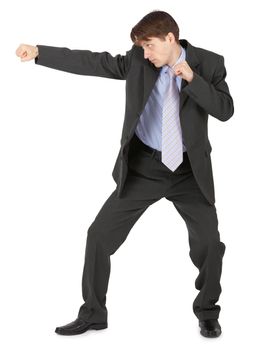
x: 207, y: 93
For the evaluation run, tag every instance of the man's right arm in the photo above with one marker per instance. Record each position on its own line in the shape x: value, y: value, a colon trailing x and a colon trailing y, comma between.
x: 83, y: 62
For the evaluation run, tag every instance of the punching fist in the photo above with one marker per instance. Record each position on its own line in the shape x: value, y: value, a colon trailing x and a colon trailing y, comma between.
x: 27, y: 52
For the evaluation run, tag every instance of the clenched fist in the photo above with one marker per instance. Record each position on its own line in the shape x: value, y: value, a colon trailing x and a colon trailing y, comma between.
x: 27, y: 52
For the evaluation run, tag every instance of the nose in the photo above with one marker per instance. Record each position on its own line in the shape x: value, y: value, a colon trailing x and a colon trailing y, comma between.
x: 146, y: 54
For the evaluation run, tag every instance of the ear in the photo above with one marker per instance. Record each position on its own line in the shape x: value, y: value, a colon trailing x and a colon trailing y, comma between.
x: 170, y: 37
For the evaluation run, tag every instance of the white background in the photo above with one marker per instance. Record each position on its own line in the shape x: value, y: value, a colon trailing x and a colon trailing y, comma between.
x: 59, y: 138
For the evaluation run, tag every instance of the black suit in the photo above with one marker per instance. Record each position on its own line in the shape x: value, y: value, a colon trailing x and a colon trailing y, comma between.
x: 142, y: 179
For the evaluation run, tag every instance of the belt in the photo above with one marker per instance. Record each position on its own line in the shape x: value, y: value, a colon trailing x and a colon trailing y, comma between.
x: 154, y: 152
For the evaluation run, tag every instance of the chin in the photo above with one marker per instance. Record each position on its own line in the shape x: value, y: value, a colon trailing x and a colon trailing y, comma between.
x: 157, y: 64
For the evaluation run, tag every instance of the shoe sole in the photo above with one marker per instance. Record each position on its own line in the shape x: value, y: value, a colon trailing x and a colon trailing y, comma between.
x: 94, y: 326
x: 211, y: 335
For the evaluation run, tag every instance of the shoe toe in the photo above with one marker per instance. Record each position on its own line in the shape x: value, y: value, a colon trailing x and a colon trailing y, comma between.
x: 73, y: 327
x: 211, y: 333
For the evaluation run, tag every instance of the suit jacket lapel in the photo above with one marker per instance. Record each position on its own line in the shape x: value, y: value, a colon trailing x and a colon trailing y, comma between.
x: 193, y: 63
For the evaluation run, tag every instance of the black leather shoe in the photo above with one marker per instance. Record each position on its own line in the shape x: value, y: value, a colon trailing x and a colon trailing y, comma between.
x: 210, y: 328
x: 79, y: 326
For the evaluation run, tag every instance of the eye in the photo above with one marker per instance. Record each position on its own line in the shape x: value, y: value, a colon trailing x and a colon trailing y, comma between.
x: 148, y: 45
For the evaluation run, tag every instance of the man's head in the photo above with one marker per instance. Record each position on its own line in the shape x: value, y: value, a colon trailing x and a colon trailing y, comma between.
x: 158, y: 34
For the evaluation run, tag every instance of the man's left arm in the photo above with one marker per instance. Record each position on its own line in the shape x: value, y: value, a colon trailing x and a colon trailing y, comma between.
x: 214, y: 97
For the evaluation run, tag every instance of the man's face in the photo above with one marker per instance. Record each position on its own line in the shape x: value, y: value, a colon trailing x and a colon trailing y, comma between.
x: 158, y: 51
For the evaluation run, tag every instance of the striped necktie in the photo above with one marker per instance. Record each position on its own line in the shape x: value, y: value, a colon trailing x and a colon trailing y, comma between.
x: 172, y: 147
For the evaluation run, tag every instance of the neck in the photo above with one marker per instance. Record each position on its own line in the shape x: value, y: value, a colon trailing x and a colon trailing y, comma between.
x: 175, y: 55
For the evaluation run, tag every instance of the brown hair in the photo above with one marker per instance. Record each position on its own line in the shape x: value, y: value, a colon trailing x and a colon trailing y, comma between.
x: 154, y: 24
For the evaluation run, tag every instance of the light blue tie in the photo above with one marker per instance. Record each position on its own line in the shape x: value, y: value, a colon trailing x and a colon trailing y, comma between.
x: 172, y: 147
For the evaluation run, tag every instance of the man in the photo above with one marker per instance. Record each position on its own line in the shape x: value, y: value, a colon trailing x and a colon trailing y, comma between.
x: 171, y: 87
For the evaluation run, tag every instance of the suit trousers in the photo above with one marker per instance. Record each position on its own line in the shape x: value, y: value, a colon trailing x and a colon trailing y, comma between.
x: 148, y: 180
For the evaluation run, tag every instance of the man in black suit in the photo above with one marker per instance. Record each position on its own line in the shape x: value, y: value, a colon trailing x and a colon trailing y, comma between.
x: 149, y: 165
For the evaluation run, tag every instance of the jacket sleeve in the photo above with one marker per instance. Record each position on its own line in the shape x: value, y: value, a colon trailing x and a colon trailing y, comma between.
x: 85, y: 62
x: 214, y: 97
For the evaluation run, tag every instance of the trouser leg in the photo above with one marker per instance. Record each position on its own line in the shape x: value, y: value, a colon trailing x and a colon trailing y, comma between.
x: 206, y: 249
x: 105, y: 235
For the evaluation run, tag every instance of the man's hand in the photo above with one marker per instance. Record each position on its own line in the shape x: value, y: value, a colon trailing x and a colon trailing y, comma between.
x: 183, y: 70
x: 27, y: 52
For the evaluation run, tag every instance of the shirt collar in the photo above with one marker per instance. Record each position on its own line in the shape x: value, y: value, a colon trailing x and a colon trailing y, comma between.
x: 180, y: 59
